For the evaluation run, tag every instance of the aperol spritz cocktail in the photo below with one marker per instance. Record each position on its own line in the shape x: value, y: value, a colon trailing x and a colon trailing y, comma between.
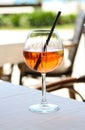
x: 43, y: 59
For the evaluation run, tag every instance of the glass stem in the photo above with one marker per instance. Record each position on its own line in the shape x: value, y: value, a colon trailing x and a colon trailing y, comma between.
x: 44, y: 100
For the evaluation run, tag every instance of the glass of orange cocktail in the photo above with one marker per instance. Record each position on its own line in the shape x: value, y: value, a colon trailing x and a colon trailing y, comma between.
x: 43, y: 58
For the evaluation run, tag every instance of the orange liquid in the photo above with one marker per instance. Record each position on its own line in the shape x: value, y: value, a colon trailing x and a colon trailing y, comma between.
x: 48, y: 60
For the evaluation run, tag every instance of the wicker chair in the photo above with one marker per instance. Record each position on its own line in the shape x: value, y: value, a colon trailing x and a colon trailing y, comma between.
x: 71, y: 46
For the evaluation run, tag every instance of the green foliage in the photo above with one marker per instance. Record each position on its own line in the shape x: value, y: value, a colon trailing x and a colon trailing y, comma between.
x: 15, y: 19
x: 67, y: 19
x: 36, y: 19
x: 24, y: 21
x: 1, y: 20
x: 40, y: 18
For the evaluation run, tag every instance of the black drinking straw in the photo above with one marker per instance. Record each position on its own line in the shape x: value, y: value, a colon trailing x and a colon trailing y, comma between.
x: 48, y: 39
x: 51, y: 31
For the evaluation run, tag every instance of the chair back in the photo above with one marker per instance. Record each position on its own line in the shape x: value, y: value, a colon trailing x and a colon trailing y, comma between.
x: 79, y: 27
x: 80, y: 20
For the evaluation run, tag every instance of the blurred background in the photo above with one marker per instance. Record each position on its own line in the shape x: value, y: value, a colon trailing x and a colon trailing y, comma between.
x: 17, y: 17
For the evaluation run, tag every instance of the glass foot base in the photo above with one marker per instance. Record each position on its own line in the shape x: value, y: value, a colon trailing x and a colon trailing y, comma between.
x: 44, y: 108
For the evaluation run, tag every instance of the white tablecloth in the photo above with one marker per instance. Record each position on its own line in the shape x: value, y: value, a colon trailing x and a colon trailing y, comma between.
x: 14, y: 113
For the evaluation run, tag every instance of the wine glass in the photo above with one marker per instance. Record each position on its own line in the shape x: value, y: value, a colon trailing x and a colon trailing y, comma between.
x: 43, y: 58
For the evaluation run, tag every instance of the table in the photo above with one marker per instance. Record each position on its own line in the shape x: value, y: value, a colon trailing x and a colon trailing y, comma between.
x: 14, y: 113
